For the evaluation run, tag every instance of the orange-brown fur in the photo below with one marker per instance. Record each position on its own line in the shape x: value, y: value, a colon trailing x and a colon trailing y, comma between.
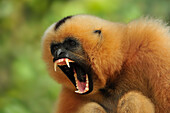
x: 134, y: 102
x: 132, y: 57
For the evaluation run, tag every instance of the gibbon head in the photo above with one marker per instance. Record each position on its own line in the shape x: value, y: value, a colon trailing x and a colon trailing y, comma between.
x: 83, y: 52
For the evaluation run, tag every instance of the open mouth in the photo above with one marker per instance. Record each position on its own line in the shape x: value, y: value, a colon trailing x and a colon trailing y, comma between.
x: 81, y: 80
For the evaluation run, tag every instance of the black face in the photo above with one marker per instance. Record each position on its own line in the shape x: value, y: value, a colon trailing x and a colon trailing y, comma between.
x: 70, y: 57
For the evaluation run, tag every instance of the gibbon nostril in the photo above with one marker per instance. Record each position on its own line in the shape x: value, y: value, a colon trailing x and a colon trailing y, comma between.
x: 61, y: 53
x: 54, y: 47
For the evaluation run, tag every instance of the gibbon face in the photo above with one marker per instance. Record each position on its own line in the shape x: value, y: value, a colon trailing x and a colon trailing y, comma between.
x: 79, y: 52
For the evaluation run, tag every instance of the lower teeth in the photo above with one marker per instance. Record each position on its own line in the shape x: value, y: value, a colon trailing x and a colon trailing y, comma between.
x: 87, y: 86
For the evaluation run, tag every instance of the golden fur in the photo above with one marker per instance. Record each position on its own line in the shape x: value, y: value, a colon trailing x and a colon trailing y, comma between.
x: 130, y: 61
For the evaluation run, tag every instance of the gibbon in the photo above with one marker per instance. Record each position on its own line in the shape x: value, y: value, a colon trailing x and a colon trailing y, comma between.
x: 107, y: 67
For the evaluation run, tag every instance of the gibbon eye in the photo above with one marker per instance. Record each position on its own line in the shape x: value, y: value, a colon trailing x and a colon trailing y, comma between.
x: 71, y: 43
x: 97, y: 31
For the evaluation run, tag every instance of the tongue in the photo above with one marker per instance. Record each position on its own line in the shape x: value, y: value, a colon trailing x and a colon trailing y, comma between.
x: 81, y: 86
x: 81, y: 78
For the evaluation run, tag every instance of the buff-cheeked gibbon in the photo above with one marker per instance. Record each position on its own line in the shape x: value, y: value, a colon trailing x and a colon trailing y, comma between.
x: 107, y: 67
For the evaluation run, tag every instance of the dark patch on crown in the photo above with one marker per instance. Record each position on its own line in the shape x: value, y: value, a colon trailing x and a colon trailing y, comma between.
x: 59, y: 23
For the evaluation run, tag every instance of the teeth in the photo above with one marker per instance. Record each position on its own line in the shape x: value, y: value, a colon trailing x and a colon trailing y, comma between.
x: 79, y: 92
x: 67, y: 62
x: 76, y: 80
x: 60, y: 62
x: 86, y: 89
x: 55, y: 66
x: 87, y: 85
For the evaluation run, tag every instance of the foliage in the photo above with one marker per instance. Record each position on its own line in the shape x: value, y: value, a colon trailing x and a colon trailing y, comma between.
x: 25, y: 86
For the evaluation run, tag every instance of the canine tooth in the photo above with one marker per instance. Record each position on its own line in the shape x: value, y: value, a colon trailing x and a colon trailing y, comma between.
x: 67, y: 62
x: 55, y: 66
x: 77, y: 91
x: 70, y: 60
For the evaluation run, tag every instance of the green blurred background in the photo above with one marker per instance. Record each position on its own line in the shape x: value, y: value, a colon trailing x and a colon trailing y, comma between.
x: 25, y: 86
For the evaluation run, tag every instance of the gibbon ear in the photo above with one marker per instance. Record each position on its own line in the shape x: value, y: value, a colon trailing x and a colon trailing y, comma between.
x: 98, y: 31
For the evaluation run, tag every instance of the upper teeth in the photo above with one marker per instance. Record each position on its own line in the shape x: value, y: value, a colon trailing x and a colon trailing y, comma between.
x: 63, y: 61
x: 55, y: 66
x: 67, y: 62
